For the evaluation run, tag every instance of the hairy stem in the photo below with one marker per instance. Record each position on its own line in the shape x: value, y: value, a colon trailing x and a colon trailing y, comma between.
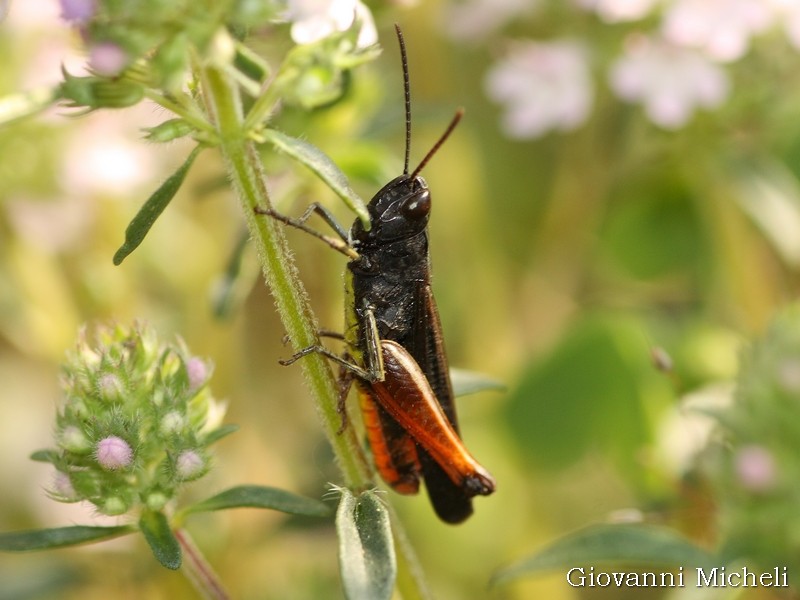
x: 198, y: 570
x: 244, y: 169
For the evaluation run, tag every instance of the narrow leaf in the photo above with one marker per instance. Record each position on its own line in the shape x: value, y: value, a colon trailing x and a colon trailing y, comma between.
x: 608, y: 543
x: 471, y: 382
x: 256, y: 496
x: 42, y: 539
x: 152, y: 209
x: 319, y: 162
x: 47, y: 456
x: 366, y: 550
x: 220, y: 432
x: 163, y: 543
x: 227, y: 291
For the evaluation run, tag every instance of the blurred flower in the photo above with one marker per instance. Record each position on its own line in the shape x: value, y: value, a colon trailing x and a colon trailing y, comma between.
x: 755, y: 468
x: 110, y: 387
x: 113, y: 453
x: 314, y: 20
x: 475, y: 19
x: 72, y: 439
x: 34, y: 15
x: 104, y: 157
x: 543, y: 86
x: 77, y: 11
x: 107, y: 59
x: 613, y: 11
x: 62, y: 488
x: 189, y: 465
x: 669, y: 81
x: 722, y: 28
x: 4, y: 4
x: 197, y: 371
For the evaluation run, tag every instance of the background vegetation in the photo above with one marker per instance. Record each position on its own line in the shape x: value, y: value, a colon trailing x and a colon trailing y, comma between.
x: 569, y: 264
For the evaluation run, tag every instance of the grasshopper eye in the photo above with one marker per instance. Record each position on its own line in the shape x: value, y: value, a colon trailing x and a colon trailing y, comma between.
x: 417, y: 206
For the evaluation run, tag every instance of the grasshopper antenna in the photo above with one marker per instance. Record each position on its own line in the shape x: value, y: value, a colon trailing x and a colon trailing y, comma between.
x: 438, y: 144
x: 407, y: 90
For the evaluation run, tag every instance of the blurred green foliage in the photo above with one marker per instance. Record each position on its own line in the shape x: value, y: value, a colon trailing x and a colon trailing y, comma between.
x: 559, y: 264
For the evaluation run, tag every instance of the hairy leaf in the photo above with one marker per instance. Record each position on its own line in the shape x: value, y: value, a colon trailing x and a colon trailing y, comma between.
x: 366, y: 550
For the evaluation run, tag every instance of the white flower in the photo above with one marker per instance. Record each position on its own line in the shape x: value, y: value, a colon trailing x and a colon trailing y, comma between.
x: 543, y: 86
x: 614, y: 11
x: 314, y: 20
x: 669, y: 81
x: 475, y: 19
x: 722, y: 28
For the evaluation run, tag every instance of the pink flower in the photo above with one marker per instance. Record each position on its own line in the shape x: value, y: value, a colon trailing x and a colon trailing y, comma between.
x: 197, y: 371
x: 543, y: 86
x: 107, y: 59
x: 667, y: 80
x: 189, y: 464
x: 113, y: 453
x: 474, y: 19
x: 77, y: 11
x: 722, y: 28
x: 755, y: 468
x: 62, y: 487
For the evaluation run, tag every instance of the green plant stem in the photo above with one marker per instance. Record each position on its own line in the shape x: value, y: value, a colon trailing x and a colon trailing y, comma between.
x: 243, y: 164
x: 245, y: 171
x: 198, y: 570
x: 179, y: 109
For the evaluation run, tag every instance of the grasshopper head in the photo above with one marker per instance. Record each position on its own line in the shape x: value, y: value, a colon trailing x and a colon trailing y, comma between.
x: 399, y: 210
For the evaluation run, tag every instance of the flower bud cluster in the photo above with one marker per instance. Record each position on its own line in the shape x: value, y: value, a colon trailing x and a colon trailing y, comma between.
x: 154, y: 50
x: 757, y: 471
x: 136, y: 421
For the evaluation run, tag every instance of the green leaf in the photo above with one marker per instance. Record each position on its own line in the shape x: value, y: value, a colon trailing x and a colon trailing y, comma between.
x: 152, y: 209
x: 163, y: 543
x: 471, y: 382
x: 596, y: 390
x: 769, y: 193
x: 58, y: 537
x: 366, y: 550
x: 256, y: 496
x: 250, y: 64
x: 167, y: 131
x: 47, y: 455
x: 608, y: 543
x: 227, y: 293
x: 319, y: 162
x: 220, y: 432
